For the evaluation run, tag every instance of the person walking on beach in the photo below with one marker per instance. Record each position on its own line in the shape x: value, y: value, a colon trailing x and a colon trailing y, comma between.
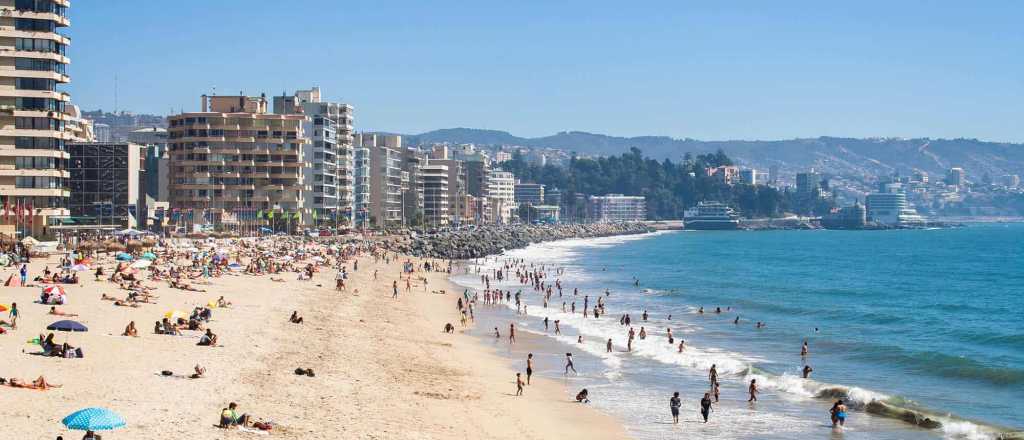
x: 529, y: 367
x: 519, y: 384
x: 511, y: 333
x: 753, y: 390
x: 608, y: 346
x: 14, y: 313
x: 24, y: 274
x: 673, y: 404
x: 545, y: 323
x: 713, y: 375
x: 714, y: 391
x: 568, y: 364
x: 705, y: 407
x: 558, y: 330
x: 394, y: 289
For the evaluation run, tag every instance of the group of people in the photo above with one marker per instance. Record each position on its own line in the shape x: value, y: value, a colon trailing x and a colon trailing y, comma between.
x: 537, y: 277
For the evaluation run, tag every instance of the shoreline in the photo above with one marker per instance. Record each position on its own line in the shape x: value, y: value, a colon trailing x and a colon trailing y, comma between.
x: 914, y: 417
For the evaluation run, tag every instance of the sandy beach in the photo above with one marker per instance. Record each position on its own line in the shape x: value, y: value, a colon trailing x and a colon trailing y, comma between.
x: 384, y: 369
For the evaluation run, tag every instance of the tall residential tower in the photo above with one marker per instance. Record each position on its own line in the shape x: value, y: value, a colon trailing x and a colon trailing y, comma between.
x: 33, y: 115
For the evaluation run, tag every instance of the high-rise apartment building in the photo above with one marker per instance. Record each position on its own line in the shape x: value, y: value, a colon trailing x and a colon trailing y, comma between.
x: 234, y: 159
x: 384, y: 157
x: 331, y: 156
x: 459, y: 207
x: 501, y: 195
x: 35, y: 121
x: 436, y: 201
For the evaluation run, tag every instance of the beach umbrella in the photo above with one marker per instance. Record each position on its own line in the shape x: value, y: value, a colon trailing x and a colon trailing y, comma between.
x: 141, y: 264
x: 115, y: 247
x: 148, y: 256
x: 93, y: 419
x: 175, y: 314
x: 4, y: 307
x: 67, y: 326
x: 235, y: 266
x: 134, y: 245
x: 54, y: 289
x: 79, y: 268
x: 124, y: 257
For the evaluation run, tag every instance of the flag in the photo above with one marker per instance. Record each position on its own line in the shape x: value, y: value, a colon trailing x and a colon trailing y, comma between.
x: 7, y: 214
x: 298, y: 215
x: 314, y: 214
x: 259, y: 215
x: 270, y: 215
x: 30, y: 213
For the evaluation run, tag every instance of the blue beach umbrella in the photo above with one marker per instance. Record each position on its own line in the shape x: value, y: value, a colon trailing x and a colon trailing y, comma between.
x: 93, y: 419
x: 124, y: 257
x: 67, y: 326
x: 149, y: 256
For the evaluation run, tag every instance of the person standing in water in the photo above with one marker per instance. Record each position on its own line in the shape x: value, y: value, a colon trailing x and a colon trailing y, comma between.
x: 713, y: 375
x: 838, y: 413
x: 753, y: 390
x: 705, y: 407
x: 804, y: 350
x: 807, y: 371
x: 519, y: 384
x: 674, y: 403
x: 609, y: 346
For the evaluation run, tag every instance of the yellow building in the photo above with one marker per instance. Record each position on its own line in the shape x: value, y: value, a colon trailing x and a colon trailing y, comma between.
x: 234, y: 159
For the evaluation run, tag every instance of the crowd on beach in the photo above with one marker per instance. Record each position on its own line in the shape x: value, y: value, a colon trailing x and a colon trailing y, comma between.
x: 131, y: 280
x: 546, y: 285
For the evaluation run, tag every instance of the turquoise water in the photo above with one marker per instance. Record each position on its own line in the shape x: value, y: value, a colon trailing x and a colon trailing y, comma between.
x: 922, y: 319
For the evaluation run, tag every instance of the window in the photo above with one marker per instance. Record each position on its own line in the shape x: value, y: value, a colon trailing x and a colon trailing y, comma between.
x: 38, y: 182
x: 40, y: 65
x: 39, y: 143
x: 34, y: 25
x: 35, y: 84
x: 39, y: 45
x: 24, y: 123
x: 39, y: 6
x: 44, y: 104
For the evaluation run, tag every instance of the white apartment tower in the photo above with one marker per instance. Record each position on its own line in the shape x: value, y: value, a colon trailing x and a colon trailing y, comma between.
x: 331, y: 157
x: 33, y: 115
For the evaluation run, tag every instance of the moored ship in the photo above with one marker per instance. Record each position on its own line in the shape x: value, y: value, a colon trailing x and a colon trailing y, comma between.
x: 710, y: 216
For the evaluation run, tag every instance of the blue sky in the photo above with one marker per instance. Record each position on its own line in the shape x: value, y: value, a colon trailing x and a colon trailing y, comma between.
x: 705, y: 70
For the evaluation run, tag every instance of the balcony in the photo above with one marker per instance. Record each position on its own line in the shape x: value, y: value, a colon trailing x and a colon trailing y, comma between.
x: 44, y: 74
x: 11, y: 32
x: 35, y: 54
x: 35, y: 173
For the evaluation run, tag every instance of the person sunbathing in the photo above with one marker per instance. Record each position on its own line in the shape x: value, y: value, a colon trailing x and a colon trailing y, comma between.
x: 279, y: 280
x: 54, y: 311
x: 130, y: 330
x: 38, y: 384
x: 106, y: 297
x: 126, y: 303
x: 221, y: 302
x: 200, y: 372
x: 295, y: 319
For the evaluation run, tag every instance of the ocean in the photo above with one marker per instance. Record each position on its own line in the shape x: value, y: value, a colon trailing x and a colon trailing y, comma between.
x: 923, y: 320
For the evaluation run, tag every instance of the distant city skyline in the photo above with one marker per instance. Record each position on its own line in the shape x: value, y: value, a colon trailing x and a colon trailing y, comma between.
x: 743, y: 70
